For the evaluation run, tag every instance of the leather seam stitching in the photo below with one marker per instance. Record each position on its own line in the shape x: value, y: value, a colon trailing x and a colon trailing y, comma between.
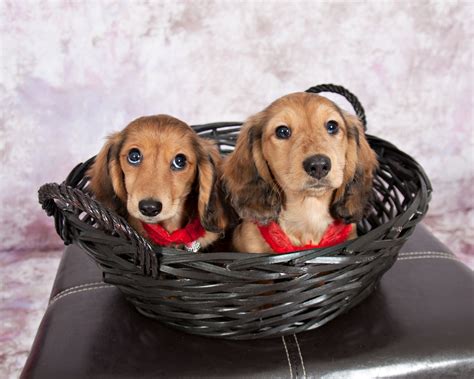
x: 436, y: 253
x: 293, y: 356
x: 67, y: 293
x: 301, y: 356
x: 287, y: 356
x: 428, y: 257
x: 75, y: 287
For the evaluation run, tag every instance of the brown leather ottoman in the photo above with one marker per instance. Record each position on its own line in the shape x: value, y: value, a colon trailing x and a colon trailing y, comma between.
x: 418, y: 323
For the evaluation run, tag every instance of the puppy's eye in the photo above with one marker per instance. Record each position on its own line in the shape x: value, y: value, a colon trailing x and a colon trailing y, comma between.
x: 134, y: 157
x: 283, y: 132
x: 179, y: 162
x: 332, y: 127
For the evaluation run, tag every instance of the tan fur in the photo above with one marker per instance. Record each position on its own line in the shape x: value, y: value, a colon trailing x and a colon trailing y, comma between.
x: 266, y: 181
x: 121, y: 186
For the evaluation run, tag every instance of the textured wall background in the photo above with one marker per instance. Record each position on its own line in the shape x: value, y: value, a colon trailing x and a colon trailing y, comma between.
x: 72, y: 72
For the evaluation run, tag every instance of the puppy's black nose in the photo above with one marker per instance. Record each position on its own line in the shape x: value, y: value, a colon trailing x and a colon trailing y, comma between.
x: 149, y: 207
x: 317, y: 166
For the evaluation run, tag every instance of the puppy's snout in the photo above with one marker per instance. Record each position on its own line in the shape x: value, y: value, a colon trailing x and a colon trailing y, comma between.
x: 150, y: 207
x: 317, y: 166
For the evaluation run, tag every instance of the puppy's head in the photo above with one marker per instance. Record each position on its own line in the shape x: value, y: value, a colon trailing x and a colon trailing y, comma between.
x: 153, y: 167
x: 301, y: 145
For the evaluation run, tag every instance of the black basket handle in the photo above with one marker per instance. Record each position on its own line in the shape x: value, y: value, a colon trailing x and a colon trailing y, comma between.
x: 350, y: 97
x: 64, y: 201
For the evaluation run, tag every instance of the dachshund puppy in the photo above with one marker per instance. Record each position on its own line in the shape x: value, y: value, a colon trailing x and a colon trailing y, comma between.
x: 300, y: 175
x: 161, y: 176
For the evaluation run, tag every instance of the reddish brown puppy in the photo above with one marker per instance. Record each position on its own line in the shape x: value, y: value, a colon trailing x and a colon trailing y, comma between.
x: 300, y: 175
x: 163, y: 177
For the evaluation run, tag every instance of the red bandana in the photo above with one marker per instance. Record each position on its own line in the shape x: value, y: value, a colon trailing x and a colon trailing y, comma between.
x: 336, y: 233
x: 189, y: 234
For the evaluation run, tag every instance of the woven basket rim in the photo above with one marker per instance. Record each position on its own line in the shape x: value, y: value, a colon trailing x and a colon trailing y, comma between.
x: 349, y: 247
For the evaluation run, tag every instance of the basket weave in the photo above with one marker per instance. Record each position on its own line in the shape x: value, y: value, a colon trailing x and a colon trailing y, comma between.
x: 242, y: 295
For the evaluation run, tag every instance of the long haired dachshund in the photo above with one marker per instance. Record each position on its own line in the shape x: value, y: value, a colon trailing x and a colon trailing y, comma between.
x: 300, y: 175
x: 161, y: 176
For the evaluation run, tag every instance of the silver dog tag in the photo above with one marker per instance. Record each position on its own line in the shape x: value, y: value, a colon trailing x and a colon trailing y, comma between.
x: 192, y: 247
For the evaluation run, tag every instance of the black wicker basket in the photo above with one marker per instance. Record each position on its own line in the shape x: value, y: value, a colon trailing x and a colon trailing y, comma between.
x: 242, y: 295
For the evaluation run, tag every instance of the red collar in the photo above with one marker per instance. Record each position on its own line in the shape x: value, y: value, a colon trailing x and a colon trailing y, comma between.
x: 185, y: 236
x: 336, y: 233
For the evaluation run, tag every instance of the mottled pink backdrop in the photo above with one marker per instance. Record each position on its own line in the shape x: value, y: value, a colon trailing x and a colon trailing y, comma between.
x: 72, y: 72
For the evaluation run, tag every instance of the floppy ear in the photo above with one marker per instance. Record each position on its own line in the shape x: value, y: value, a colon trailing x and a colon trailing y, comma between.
x: 210, y: 198
x: 107, y: 178
x: 248, y: 182
x: 351, y: 200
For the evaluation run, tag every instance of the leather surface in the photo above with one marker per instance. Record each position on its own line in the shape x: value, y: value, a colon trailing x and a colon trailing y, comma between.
x: 418, y: 323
